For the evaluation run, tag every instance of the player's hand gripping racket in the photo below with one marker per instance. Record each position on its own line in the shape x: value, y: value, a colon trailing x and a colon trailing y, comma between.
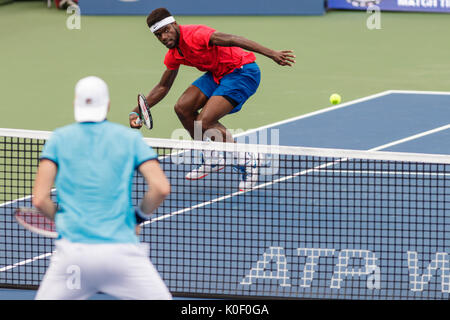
x: 145, y: 112
x: 34, y: 221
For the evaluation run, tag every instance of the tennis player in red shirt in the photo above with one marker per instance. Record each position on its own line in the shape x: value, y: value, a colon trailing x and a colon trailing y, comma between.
x: 231, y: 77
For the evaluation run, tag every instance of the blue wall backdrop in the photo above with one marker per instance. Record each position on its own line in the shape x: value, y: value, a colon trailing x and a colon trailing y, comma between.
x: 203, y: 7
x: 393, y: 5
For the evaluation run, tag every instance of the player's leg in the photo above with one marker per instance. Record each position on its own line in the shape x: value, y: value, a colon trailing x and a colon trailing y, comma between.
x: 246, y: 162
x: 211, y: 161
x: 228, y: 97
x: 193, y: 99
x: 67, y: 277
x: 131, y: 275
x: 56, y: 286
x: 214, y: 109
x: 187, y: 107
x: 237, y: 87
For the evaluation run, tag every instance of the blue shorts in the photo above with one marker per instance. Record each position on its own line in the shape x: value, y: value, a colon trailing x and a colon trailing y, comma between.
x: 238, y: 85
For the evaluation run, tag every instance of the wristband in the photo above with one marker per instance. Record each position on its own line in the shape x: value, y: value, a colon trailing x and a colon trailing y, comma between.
x: 134, y: 113
x: 139, y: 220
x: 140, y: 216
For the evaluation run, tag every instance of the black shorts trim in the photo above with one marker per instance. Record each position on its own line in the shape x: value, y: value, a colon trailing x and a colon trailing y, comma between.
x: 232, y: 101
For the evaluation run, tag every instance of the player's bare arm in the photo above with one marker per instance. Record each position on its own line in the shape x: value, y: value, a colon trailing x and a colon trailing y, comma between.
x: 158, y: 186
x: 283, y: 57
x: 156, y: 94
x: 45, y: 179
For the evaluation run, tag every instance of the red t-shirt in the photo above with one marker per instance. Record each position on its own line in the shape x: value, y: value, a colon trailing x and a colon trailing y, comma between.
x: 194, y: 45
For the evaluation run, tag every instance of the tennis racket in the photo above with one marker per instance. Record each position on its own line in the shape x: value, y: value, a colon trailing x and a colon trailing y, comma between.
x: 145, y: 111
x: 34, y: 221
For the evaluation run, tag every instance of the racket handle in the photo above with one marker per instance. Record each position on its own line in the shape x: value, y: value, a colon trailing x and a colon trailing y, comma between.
x: 138, y: 121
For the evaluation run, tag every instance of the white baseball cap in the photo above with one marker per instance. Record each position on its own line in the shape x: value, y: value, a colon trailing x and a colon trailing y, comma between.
x: 91, y: 100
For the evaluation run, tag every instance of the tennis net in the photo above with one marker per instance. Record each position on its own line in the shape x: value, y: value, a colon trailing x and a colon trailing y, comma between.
x: 319, y: 223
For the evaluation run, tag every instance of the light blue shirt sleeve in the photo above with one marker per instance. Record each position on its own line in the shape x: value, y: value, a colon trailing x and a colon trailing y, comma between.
x: 50, y: 150
x: 143, y: 152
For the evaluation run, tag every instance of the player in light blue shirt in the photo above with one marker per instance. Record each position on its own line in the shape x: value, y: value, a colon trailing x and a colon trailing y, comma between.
x: 92, y: 164
x: 94, y: 187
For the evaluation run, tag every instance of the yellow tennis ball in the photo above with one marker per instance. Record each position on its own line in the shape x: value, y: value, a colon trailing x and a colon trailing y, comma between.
x: 335, y: 98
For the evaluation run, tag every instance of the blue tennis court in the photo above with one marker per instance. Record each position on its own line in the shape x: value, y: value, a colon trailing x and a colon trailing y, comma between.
x: 286, y: 237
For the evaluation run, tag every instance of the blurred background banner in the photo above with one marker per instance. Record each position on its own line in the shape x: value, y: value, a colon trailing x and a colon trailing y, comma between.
x: 393, y: 5
x: 203, y: 7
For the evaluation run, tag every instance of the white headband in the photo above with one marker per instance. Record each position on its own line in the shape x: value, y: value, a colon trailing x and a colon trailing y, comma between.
x: 164, y: 22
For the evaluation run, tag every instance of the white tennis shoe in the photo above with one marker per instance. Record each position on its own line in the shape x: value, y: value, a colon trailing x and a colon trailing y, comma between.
x: 249, y: 172
x: 210, y: 164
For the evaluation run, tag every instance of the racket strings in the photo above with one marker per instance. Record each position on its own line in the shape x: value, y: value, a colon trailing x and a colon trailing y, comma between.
x: 36, y: 219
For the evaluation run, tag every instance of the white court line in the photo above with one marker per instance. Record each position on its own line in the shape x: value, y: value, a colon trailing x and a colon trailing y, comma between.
x: 381, y: 172
x: 206, y: 203
x: 343, y: 105
x: 24, y: 262
x: 20, y: 199
x: 420, y: 92
x: 314, y: 113
x: 410, y: 138
x: 274, y: 181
